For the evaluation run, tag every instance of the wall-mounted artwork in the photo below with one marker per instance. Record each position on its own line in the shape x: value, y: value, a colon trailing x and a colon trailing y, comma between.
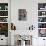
x: 41, y: 19
x: 41, y: 6
x: 41, y: 25
x: 3, y: 13
x: 3, y: 19
x: 42, y: 32
x: 4, y: 29
x: 22, y: 14
x: 41, y: 13
x: 3, y: 6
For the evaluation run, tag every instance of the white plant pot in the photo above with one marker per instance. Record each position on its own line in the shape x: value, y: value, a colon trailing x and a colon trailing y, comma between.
x: 22, y: 43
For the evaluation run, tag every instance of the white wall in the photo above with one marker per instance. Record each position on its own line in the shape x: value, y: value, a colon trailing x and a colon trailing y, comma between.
x: 3, y: 1
x: 30, y: 7
x: 32, y: 13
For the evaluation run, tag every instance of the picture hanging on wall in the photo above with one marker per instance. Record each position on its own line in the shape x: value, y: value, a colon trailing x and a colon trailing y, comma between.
x: 42, y: 32
x: 22, y: 14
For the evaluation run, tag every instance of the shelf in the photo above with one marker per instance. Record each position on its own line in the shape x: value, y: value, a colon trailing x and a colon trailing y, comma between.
x: 41, y: 10
x: 41, y: 28
x: 3, y: 22
x: 3, y: 16
x: 42, y: 16
x: 41, y: 22
x: 3, y: 10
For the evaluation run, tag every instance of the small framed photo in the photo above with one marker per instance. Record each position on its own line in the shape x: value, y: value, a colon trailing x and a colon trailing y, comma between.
x: 42, y: 33
x: 22, y: 14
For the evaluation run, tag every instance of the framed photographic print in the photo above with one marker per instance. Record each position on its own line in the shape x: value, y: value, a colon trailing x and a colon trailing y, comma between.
x: 22, y: 14
x: 4, y: 29
x: 42, y: 32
